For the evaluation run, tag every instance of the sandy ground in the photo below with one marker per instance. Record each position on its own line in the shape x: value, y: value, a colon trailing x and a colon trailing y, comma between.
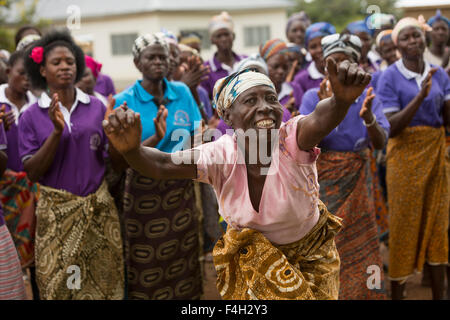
x: 414, y: 289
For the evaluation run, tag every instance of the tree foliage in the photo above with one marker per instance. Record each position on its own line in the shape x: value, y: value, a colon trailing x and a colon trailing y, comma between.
x: 26, y: 14
x: 341, y: 12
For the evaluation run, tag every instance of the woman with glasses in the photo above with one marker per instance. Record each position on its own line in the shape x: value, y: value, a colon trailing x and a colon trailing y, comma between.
x: 346, y: 181
x: 416, y: 100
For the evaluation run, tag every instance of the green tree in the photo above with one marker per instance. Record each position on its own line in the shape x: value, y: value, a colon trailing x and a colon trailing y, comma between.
x: 341, y: 12
x: 26, y: 10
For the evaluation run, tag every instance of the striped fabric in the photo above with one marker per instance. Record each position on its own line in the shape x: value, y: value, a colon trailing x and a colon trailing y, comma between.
x: 11, y: 282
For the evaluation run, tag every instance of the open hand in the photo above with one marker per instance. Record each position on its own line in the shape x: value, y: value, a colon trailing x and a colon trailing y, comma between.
x: 160, y: 122
x: 427, y: 83
x: 325, y: 89
x: 347, y: 80
x: 56, y: 115
x: 366, y: 109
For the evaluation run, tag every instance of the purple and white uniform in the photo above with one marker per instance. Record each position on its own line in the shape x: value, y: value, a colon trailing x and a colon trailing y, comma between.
x: 398, y: 86
x: 104, y: 85
x: 78, y: 165
x: 309, y: 78
x: 14, y: 162
x: 218, y: 71
x: 350, y: 134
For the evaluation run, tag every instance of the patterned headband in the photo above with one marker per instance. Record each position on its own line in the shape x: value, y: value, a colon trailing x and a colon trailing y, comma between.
x: 228, y: 89
x: 148, y: 40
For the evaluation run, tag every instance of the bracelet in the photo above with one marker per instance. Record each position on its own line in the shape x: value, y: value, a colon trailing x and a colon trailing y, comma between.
x: 372, y: 123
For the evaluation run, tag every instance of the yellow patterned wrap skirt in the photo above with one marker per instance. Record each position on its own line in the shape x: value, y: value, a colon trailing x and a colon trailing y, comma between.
x: 250, y: 267
x: 418, y: 201
x: 78, y: 238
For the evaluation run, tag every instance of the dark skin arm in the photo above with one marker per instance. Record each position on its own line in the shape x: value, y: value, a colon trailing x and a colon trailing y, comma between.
x: 118, y: 162
x: 149, y: 162
x: 347, y: 81
x: 38, y: 164
x: 400, y: 120
x: 376, y: 133
x: 153, y: 163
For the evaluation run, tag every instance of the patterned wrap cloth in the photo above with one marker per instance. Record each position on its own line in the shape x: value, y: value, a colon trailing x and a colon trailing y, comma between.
x: 148, y: 40
x: 418, y: 200
x: 228, y: 89
x: 11, y: 282
x: 163, y: 239
x: 19, y: 197
x: 347, y: 188
x: 78, y: 231
x: 250, y: 267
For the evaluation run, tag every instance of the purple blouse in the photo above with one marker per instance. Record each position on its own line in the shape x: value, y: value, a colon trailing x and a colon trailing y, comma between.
x: 309, y: 78
x: 12, y: 135
x: 398, y: 86
x: 104, y: 85
x: 218, y: 71
x: 350, y: 134
x: 78, y: 165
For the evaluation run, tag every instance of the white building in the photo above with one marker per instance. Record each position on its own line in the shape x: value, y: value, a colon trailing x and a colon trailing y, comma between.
x: 113, y: 25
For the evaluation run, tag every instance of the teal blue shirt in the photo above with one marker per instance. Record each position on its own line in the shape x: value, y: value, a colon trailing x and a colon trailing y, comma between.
x: 183, y: 113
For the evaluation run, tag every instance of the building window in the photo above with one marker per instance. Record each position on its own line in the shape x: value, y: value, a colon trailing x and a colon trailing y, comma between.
x: 121, y: 44
x: 254, y: 36
x: 204, y: 33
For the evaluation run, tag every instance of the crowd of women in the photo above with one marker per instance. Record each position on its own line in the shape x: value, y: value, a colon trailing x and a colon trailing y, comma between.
x: 133, y: 191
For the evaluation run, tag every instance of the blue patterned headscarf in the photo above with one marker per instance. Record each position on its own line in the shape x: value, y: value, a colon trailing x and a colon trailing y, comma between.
x: 359, y: 26
x: 438, y: 17
x: 319, y: 29
x: 228, y: 89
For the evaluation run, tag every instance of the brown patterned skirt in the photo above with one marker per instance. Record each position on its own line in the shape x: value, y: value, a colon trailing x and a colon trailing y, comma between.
x: 250, y: 267
x: 78, y: 237
x: 162, y: 231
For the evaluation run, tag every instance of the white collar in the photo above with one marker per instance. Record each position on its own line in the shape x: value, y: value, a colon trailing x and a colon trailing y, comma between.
x: 408, y: 74
x: 313, y: 72
x: 286, y: 89
x: 4, y: 99
x: 44, y: 103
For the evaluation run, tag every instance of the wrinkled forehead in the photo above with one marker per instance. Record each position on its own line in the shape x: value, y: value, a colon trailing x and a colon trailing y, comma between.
x: 155, y: 49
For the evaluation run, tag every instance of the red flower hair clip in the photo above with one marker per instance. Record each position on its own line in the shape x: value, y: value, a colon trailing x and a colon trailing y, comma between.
x: 37, y: 54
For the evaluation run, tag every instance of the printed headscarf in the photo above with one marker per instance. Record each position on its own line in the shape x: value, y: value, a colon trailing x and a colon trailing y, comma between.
x: 345, y: 43
x: 169, y: 36
x: 28, y: 39
x: 228, y: 89
x: 318, y: 29
x: 438, y: 17
x: 254, y: 60
x: 93, y: 65
x: 221, y: 21
x: 272, y: 47
x: 148, y: 40
x: 409, y: 22
x: 384, y: 35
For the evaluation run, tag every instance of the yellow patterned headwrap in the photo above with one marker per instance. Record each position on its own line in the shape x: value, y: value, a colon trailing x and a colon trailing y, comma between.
x: 228, y: 89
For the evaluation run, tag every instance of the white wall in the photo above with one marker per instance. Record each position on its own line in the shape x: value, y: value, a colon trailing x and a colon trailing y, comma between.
x: 122, y: 69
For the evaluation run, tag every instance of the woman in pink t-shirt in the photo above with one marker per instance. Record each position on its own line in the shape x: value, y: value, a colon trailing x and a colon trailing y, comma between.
x: 280, y: 239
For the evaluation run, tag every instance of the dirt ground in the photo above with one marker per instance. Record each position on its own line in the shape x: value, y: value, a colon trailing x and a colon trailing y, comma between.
x: 414, y: 289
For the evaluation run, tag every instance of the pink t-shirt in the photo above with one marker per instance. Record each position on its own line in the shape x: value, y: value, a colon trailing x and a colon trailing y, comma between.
x: 289, y: 203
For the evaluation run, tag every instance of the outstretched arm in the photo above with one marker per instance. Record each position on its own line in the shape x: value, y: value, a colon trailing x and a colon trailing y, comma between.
x: 123, y: 129
x: 348, y: 81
